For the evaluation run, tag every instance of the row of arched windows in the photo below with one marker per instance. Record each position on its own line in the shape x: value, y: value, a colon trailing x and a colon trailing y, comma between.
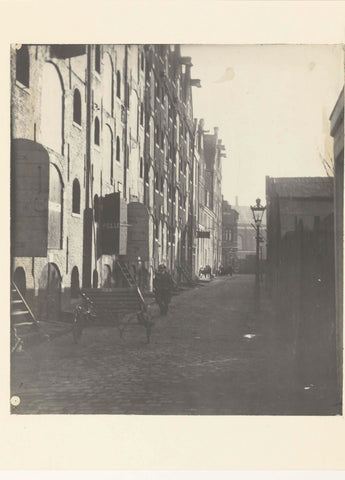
x: 108, y: 77
x: 97, y: 138
x: 51, y: 82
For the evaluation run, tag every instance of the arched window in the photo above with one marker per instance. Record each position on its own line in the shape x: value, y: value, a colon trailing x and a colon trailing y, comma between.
x: 75, y: 282
x: 141, y: 167
x: 96, y: 208
x: 23, y: 66
x: 52, y: 108
x: 77, y: 107
x: 97, y: 131
x: 55, y: 208
x: 76, y: 197
x: 118, y: 84
x: 98, y: 58
x: 118, y: 149
x: 108, y: 83
x: 108, y: 147
x: 146, y: 172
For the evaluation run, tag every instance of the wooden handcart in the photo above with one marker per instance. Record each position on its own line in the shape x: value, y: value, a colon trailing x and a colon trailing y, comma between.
x: 118, y: 307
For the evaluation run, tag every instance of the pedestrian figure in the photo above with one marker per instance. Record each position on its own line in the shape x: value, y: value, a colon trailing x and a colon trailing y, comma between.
x: 163, y: 285
x: 231, y: 270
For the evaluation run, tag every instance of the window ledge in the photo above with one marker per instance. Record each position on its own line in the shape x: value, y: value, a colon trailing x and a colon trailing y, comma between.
x: 76, y: 125
x: 23, y: 87
x: 75, y: 215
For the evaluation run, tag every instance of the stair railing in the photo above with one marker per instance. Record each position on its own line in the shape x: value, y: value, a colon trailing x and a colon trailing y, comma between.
x: 25, y: 303
x: 123, y: 270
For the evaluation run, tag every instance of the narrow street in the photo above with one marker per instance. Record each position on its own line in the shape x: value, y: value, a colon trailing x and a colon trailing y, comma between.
x: 210, y: 355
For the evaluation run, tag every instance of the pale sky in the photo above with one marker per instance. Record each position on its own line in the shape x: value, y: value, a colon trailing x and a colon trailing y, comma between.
x: 272, y: 105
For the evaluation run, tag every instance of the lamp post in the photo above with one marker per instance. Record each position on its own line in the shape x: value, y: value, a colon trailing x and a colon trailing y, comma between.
x: 258, y: 212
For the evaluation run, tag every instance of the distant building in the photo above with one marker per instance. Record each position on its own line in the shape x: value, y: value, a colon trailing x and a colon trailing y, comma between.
x: 337, y: 132
x: 208, y: 152
x: 229, y: 235
x: 213, y: 153
x: 246, y: 239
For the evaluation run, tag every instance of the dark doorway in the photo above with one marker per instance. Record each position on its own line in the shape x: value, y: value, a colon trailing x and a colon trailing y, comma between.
x: 19, y: 279
x: 49, y: 293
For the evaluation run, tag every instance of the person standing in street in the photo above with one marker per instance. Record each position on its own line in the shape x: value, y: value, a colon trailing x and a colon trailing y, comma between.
x: 163, y: 285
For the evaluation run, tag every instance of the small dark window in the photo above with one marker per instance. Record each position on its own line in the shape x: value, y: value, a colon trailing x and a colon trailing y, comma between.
x: 157, y: 229
x: 156, y: 181
x: 142, y: 114
x: 142, y: 61
x: 76, y: 197
x: 162, y: 140
x: 98, y: 58
x: 118, y: 84
x: 146, y: 173
x: 97, y: 142
x: 96, y: 208
x: 141, y: 167
x: 162, y: 184
x: 77, y: 107
x: 23, y: 66
x: 118, y: 149
x: 75, y: 283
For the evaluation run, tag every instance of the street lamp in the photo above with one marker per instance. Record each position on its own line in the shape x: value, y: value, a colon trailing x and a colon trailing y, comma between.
x: 258, y: 212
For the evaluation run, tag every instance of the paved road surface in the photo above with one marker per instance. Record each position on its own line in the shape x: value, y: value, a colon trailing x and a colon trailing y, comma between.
x: 210, y: 355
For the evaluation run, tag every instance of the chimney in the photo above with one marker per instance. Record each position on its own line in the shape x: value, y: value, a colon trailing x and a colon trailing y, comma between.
x: 216, y: 130
x: 236, y: 201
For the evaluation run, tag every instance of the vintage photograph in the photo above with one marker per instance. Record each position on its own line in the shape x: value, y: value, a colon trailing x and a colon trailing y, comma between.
x: 177, y: 229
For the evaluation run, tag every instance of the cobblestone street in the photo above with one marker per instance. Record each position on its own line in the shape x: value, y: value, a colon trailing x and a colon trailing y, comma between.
x: 209, y: 355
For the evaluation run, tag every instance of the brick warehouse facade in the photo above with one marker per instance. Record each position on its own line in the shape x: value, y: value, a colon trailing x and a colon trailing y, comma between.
x: 102, y: 168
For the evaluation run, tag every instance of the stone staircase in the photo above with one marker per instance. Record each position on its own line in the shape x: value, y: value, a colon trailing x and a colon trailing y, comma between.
x: 25, y: 329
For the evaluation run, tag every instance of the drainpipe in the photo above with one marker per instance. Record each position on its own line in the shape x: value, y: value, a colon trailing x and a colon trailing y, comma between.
x: 126, y: 127
x: 86, y: 237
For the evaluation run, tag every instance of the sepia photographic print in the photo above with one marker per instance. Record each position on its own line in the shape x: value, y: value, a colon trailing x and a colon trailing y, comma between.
x: 176, y: 229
